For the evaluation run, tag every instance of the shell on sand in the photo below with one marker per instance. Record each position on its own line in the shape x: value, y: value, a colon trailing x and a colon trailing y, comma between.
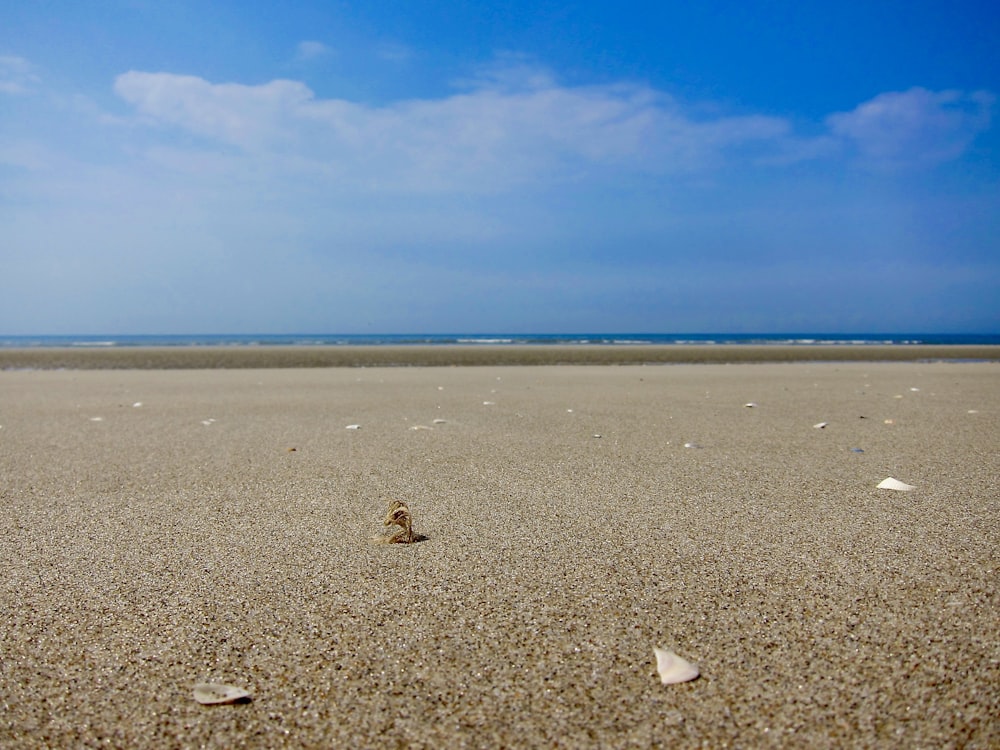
x: 894, y: 484
x: 212, y: 693
x: 673, y: 668
x: 821, y: 425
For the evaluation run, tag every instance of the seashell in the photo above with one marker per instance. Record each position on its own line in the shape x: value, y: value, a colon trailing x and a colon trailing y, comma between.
x: 894, y: 484
x: 212, y: 693
x: 691, y: 445
x: 673, y: 668
x: 137, y: 404
x: 420, y: 427
x: 489, y: 403
x: 353, y: 427
x: 750, y: 405
x: 440, y: 421
x: 820, y: 425
x: 97, y: 419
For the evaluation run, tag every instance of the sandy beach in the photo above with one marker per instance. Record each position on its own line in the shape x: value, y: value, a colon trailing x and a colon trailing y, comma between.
x: 166, y: 527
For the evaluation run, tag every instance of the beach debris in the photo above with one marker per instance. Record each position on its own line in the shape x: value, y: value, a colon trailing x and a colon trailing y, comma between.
x: 353, y: 427
x: 857, y: 450
x: 894, y: 484
x: 397, y: 515
x: 292, y: 450
x: 207, y: 422
x: 213, y: 693
x: 821, y: 425
x: 888, y: 421
x: 972, y: 411
x: 691, y: 445
x: 489, y: 403
x: 440, y: 421
x: 673, y: 668
x: 596, y: 435
x: 750, y: 405
x: 97, y: 419
x: 137, y: 404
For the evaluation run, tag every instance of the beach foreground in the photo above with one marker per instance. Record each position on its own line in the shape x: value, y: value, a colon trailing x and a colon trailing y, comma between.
x: 166, y: 528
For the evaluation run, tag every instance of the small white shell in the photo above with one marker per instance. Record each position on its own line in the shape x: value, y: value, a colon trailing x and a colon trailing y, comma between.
x: 353, y: 427
x: 750, y: 405
x: 820, y: 425
x: 211, y: 693
x: 894, y: 484
x: 673, y: 668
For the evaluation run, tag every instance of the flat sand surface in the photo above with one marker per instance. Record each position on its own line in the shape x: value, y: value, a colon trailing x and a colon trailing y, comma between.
x: 162, y: 528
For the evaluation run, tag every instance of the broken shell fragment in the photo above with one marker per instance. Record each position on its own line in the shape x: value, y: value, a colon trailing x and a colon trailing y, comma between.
x: 673, y: 668
x: 894, y: 484
x: 821, y: 425
x: 211, y: 693
x: 353, y: 427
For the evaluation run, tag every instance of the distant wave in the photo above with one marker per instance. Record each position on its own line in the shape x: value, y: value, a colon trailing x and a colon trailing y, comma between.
x: 504, y: 339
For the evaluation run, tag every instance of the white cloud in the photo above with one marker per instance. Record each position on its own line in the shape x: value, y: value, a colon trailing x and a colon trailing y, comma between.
x: 915, y: 127
x: 246, y: 116
x: 17, y: 75
x: 496, y: 135
x: 311, y: 50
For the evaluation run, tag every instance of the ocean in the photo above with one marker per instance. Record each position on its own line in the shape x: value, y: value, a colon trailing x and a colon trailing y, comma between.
x: 495, y: 339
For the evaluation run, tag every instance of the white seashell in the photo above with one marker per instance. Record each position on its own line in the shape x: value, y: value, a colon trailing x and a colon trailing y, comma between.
x: 211, y: 693
x: 820, y: 425
x: 691, y: 445
x: 440, y: 421
x: 137, y: 404
x: 97, y: 419
x: 894, y: 484
x: 353, y: 427
x: 489, y: 403
x: 673, y: 668
x: 750, y: 405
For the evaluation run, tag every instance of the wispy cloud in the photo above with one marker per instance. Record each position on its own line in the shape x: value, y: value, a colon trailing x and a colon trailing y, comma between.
x: 512, y: 128
x: 17, y: 75
x: 311, y: 50
x: 914, y: 128
x: 514, y: 125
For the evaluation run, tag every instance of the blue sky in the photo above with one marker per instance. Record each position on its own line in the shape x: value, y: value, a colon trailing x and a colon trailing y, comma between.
x: 380, y: 167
